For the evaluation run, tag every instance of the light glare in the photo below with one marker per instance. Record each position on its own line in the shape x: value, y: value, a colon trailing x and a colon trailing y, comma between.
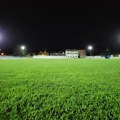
x: 23, y: 47
x: 90, y: 47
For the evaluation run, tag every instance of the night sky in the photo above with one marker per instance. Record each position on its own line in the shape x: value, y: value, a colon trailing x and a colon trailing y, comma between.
x: 55, y: 25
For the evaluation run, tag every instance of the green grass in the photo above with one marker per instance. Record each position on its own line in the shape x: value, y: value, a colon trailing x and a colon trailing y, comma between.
x: 35, y: 89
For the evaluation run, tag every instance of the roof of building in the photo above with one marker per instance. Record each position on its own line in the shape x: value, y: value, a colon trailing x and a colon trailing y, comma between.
x: 71, y: 50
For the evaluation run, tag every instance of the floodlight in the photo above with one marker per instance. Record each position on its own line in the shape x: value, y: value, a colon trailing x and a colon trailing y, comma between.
x: 90, y: 48
x: 23, y: 47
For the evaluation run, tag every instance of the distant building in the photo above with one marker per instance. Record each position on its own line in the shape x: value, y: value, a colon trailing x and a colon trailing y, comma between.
x: 70, y: 53
x: 73, y: 53
x: 43, y: 53
x: 82, y: 53
x: 60, y: 53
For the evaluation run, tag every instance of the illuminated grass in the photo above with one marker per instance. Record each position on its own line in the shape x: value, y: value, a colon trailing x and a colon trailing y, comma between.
x: 60, y: 89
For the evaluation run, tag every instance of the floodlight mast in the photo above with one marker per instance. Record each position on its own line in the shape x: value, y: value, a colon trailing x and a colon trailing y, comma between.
x: 23, y: 49
x: 90, y: 49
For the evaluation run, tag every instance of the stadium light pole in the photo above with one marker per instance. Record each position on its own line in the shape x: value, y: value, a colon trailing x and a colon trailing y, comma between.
x: 90, y: 49
x: 23, y: 49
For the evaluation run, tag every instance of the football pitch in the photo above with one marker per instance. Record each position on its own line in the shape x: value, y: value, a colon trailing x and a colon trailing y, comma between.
x: 34, y: 89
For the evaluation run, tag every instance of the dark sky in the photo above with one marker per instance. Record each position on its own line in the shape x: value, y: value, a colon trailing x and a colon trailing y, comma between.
x: 57, y: 25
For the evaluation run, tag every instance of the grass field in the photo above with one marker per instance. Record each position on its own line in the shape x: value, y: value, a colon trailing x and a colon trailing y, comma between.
x: 35, y: 89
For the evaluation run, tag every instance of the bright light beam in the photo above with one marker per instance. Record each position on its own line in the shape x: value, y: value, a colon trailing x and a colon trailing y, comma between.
x: 90, y: 47
x: 22, y: 47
